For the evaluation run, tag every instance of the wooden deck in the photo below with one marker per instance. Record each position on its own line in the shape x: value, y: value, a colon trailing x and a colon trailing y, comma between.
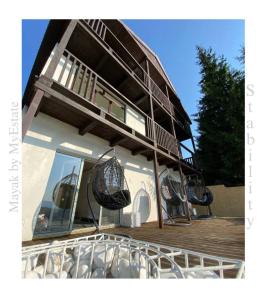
x: 221, y: 237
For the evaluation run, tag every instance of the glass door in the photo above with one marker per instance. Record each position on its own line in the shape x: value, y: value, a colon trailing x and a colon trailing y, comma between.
x: 58, y: 203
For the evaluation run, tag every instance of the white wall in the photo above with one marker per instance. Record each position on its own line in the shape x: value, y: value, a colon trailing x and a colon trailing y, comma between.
x: 135, y: 120
x: 45, y: 136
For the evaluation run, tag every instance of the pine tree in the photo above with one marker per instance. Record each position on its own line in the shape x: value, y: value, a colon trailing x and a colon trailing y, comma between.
x: 220, y: 117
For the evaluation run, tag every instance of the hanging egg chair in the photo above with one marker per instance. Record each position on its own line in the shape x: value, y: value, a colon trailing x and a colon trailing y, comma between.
x: 171, y: 190
x: 109, y: 185
x: 64, y: 191
x: 198, y: 193
x: 176, y: 205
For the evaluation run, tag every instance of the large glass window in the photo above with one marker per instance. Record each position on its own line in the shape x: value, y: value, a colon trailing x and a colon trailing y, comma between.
x: 101, y: 100
x: 118, y: 111
x: 58, y: 202
x: 109, y: 104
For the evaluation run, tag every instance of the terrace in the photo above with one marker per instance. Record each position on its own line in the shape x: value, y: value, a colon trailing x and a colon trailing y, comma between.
x: 223, y: 237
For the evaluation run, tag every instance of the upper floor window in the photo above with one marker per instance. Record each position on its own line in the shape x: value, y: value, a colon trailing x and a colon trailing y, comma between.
x: 109, y: 104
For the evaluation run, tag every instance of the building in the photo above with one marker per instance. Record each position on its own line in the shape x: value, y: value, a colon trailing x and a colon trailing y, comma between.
x: 96, y: 85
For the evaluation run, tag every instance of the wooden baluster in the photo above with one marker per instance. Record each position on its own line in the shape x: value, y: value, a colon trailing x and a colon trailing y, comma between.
x: 97, y: 26
x: 104, y: 34
x: 88, y: 84
x: 82, y: 80
x: 162, y: 136
x: 92, y: 97
x: 77, y: 75
x: 94, y: 25
x: 101, y: 29
x: 63, y: 69
x: 70, y: 72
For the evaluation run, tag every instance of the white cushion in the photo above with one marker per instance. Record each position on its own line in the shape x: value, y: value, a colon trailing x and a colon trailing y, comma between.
x: 98, y: 273
x: 85, y: 252
x: 100, y: 257
x: 83, y: 270
x: 57, y: 275
x: 139, y: 266
x: 32, y: 275
x: 121, y: 268
x: 32, y: 261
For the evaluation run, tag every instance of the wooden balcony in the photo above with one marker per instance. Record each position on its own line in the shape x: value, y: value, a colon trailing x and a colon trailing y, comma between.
x: 190, y: 161
x: 119, y: 51
x: 75, y: 104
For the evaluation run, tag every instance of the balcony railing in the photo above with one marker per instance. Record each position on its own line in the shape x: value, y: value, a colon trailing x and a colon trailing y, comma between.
x: 166, y: 140
x: 191, y: 162
x: 77, y: 77
x: 103, y: 32
x: 163, y: 138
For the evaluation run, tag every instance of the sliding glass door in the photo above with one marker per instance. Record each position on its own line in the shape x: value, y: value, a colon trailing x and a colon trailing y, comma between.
x: 58, y: 203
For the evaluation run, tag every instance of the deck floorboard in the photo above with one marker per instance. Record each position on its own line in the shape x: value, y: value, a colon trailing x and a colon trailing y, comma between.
x: 220, y: 237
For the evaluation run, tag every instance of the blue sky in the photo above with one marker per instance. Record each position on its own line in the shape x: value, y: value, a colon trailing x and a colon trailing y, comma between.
x: 174, y: 41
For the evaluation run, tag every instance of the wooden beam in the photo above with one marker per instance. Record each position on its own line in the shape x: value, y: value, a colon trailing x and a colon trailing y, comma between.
x: 32, y: 110
x: 139, y: 151
x: 185, y: 147
x: 158, y: 195
x: 88, y: 127
x: 75, y: 107
x: 116, y: 141
x: 171, y: 164
x: 163, y: 161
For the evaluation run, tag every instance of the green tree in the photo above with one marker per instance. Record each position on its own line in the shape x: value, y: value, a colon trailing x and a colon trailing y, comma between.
x: 220, y: 117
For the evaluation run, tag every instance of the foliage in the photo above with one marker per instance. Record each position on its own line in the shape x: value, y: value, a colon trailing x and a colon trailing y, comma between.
x: 220, y: 117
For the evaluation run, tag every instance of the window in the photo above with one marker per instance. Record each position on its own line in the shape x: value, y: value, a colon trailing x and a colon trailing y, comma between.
x: 59, y: 198
x: 118, y: 111
x: 109, y: 104
x: 101, y: 100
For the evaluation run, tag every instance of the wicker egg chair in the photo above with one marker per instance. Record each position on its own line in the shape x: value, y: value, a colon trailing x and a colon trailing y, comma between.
x: 109, y: 185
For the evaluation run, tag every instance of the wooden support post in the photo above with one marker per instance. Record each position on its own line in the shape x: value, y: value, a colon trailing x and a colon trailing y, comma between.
x: 60, y: 49
x: 28, y: 118
x: 186, y: 148
x: 193, y: 143
x: 158, y: 195
x: 179, y: 164
x: 157, y: 183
